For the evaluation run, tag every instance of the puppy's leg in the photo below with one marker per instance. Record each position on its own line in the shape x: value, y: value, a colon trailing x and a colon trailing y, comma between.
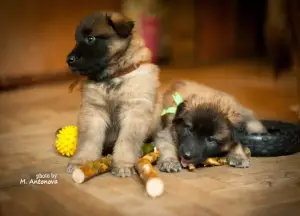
x: 237, y: 157
x: 92, y: 125
x: 252, y: 124
x: 168, y: 160
x: 134, y: 127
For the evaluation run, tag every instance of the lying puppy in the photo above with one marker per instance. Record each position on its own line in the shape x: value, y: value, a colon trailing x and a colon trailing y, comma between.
x: 201, y: 126
x: 118, y: 110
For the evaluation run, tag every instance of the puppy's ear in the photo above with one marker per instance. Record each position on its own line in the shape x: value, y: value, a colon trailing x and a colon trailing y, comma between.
x: 178, y: 118
x: 121, y: 25
x: 180, y: 108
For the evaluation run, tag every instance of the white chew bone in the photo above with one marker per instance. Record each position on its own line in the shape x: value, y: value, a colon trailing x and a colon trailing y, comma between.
x: 154, y: 187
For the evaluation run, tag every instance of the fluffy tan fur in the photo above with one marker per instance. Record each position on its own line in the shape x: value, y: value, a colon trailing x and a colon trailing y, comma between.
x: 123, y: 112
x: 194, y: 94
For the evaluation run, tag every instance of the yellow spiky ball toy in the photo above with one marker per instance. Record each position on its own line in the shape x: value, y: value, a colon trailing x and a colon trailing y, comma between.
x: 66, y: 140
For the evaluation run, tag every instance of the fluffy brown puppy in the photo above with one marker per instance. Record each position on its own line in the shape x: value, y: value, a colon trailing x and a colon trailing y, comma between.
x: 202, y: 127
x: 118, y: 111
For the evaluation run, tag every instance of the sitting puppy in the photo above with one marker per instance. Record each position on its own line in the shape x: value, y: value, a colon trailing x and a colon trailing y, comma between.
x: 119, y: 108
x: 201, y: 126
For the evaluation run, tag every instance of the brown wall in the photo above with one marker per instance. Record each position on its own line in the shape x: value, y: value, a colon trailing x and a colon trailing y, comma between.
x: 181, y: 18
x: 37, y: 35
x: 216, y: 25
x: 205, y: 31
x: 202, y: 31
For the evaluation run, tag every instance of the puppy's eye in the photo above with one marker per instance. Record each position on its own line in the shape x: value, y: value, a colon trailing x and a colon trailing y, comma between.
x: 90, y: 40
x: 189, y: 127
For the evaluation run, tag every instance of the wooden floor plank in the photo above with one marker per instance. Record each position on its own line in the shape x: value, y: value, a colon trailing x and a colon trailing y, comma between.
x: 290, y: 209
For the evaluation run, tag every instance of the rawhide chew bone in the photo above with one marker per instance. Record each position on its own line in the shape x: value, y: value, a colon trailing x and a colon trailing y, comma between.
x: 191, y: 167
x: 154, y: 185
x: 217, y: 161
x: 91, y: 169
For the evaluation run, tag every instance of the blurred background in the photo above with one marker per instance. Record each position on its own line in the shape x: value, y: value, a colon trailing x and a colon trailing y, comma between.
x: 37, y: 35
x: 197, y: 39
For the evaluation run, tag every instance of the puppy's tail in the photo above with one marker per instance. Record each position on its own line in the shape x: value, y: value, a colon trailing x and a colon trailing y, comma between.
x: 255, y: 126
x: 251, y: 123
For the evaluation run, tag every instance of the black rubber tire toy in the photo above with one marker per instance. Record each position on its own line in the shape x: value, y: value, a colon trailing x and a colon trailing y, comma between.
x: 282, y: 138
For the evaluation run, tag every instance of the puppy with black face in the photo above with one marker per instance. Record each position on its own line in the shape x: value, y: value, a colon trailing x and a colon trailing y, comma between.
x: 202, y: 127
x: 119, y: 108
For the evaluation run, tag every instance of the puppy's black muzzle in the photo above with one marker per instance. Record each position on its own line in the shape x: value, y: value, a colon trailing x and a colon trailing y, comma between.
x: 74, y: 59
x: 187, y: 155
x: 75, y: 65
x: 191, y: 154
x: 71, y: 60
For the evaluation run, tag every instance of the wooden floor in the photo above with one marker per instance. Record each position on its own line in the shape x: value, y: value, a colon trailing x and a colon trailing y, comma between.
x: 29, y: 118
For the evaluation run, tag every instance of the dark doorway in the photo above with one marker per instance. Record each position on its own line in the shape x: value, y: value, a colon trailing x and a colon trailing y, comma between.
x: 251, y: 20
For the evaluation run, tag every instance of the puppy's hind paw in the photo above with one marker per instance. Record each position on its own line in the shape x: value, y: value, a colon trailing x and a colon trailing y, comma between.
x: 123, y: 171
x: 169, y: 165
x: 239, y: 162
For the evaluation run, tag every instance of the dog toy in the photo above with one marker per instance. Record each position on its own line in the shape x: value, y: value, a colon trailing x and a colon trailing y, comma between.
x: 281, y: 139
x: 66, y: 145
x: 66, y: 141
x: 217, y: 161
x: 154, y: 185
x: 147, y: 148
x: 91, y: 169
x: 191, y: 167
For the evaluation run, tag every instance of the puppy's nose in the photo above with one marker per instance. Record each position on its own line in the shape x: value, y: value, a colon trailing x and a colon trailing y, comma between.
x: 187, y: 155
x: 71, y: 59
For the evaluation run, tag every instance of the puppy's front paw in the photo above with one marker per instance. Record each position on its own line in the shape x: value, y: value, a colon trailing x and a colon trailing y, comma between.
x: 169, y: 165
x: 238, y: 162
x: 73, y: 164
x: 123, y: 171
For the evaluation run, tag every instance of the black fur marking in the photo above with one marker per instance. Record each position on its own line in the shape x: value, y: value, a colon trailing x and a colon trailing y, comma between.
x: 179, y: 111
x: 112, y: 132
x: 91, y: 55
x: 197, y: 132
x: 91, y: 59
x: 112, y: 86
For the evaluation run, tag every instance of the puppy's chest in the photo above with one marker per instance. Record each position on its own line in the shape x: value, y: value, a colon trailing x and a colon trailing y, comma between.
x: 103, y: 91
x: 112, y: 87
x: 113, y: 128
